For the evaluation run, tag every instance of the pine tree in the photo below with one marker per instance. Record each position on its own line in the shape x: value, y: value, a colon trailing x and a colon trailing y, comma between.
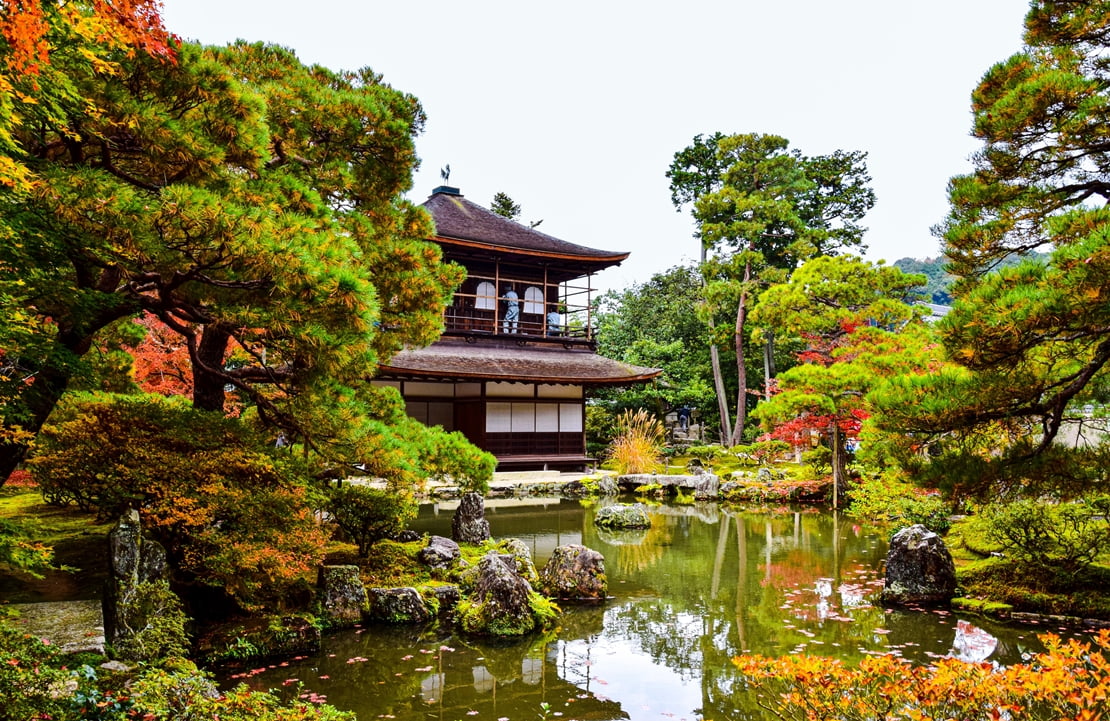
x: 254, y: 206
x: 762, y: 209
x: 1032, y: 340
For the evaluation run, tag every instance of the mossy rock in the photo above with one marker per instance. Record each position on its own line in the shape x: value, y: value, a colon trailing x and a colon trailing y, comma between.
x: 991, y: 609
x: 623, y: 516
x: 400, y: 605
x: 500, y: 603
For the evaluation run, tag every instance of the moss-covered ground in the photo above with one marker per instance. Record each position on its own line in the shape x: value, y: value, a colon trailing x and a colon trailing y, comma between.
x: 79, y: 542
x: 990, y: 579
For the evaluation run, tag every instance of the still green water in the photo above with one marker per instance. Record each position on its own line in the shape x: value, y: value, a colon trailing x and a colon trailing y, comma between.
x: 703, y: 585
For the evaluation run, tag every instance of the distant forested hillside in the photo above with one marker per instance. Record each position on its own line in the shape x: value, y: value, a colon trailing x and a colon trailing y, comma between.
x: 936, y: 289
x: 939, y: 281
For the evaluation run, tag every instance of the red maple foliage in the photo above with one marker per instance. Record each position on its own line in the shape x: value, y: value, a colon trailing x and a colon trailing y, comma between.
x: 161, y: 360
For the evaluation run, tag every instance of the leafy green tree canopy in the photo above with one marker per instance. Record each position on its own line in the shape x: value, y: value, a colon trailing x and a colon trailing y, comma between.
x: 250, y: 202
x: 1042, y: 116
x: 504, y: 206
x: 846, y: 309
x: 761, y: 209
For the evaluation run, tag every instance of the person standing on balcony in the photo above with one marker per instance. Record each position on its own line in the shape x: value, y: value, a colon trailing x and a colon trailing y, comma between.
x: 512, y: 311
x: 554, y: 321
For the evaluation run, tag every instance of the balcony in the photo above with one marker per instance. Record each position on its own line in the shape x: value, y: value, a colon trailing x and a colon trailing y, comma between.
x: 544, y: 312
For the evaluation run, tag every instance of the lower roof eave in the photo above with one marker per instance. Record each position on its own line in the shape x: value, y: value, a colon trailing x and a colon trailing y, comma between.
x: 386, y: 372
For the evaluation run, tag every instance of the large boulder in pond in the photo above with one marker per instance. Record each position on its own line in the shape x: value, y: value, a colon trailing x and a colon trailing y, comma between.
x: 439, y: 553
x: 343, y: 598
x: 623, y: 515
x: 501, y: 603
x: 576, y: 573
x: 469, y: 524
x: 398, y: 605
x: 919, y: 568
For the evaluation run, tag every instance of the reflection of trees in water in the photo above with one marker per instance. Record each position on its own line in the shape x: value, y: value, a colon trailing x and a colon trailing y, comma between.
x: 629, y: 558
x: 669, y: 636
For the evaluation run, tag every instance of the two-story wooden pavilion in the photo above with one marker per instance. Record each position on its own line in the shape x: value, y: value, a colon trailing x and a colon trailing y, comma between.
x: 516, y: 359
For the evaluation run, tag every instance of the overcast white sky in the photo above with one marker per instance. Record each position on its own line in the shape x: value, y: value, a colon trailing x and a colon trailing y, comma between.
x: 575, y: 108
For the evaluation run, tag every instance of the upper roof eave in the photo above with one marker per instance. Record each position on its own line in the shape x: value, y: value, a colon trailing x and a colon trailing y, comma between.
x: 461, y: 222
x: 613, y: 258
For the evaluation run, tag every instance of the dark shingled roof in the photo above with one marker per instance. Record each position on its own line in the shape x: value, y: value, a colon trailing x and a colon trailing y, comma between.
x: 447, y: 359
x: 459, y: 219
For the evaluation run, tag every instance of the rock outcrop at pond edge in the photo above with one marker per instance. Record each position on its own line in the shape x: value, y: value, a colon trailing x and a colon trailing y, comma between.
x: 575, y: 573
x: 919, y: 568
x: 142, y: 616
x: 343, y: 598
x: 518, y: 552
x: 469, y: 524
x: 398, y: 605
x: 623, y: 515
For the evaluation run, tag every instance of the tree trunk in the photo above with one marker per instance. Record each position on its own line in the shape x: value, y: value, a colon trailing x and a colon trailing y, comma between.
x: 839, y: 464
x: 46, y: 391
x: 208, y: 385
x: 741, y: 369
x: 725, y: 431
x: 721, y: 392
x: 41, y: 396
x: 768, y: 362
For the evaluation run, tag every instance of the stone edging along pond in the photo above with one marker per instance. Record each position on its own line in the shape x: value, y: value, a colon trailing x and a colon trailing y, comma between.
x: 1004, y: 612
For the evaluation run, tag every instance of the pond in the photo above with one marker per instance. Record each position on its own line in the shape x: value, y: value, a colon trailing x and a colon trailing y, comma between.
x: 702, y: 585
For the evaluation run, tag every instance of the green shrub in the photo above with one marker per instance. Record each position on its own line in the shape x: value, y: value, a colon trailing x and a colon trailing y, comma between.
x: 819, y: 459
x: 884, y: 499
x: 162, y: 633
x: 452, y: 456
x: 1065, y: 536
x: 20, y: 550
x: 601, y: 427
x: 704, y: 456
x: 231, y: 511
x: 181, y: 692
x: 29, y: 672
x: 91, y: 703
x: 367, y: 515
x: 760, y: 453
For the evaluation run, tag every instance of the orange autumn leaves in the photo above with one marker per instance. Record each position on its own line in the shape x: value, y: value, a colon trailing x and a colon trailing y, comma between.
x: 25, y: 26
x: 1069, y: 681
x: 32, y: 30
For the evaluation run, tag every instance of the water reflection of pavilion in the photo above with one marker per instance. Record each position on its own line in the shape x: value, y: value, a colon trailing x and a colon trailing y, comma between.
x: 470, y: 685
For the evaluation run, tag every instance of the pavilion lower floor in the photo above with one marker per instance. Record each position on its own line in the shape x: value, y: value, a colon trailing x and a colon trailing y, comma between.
x: 527, y: 426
